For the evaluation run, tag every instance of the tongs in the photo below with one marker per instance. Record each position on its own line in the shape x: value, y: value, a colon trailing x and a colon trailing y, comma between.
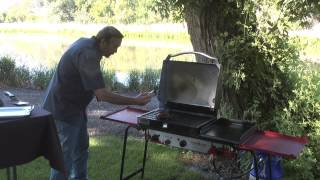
x: 15, y: 100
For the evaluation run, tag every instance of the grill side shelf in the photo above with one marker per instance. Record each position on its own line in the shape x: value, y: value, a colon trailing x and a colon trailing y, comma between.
x: 275, y: 143
x: 127, y: 115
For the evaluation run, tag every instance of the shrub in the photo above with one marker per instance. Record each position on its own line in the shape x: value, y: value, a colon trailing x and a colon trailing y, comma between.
x: 13, y: 76
x: 302, y: 117
x: 134, y: 80
x: 7, y: 68
x: 150, y: 79
x: 110, y: 79
x: 42, y: 77
x: 22, y: 77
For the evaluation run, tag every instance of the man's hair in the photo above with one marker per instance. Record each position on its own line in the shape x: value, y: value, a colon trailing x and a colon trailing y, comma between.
x: 107, y: 33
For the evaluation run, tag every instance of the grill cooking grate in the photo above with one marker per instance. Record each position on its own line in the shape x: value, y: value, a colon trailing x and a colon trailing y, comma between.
x: 152, y: 115
x: 179, y: 118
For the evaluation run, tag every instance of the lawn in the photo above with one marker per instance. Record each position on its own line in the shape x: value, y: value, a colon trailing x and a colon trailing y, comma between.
x: 104, y: 162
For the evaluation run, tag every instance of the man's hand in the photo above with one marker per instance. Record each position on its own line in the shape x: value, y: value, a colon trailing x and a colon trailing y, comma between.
x: 143, y: 98
x: 108, y: 96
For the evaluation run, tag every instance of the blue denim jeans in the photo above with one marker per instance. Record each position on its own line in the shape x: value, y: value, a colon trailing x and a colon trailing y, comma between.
x: 74, y: 141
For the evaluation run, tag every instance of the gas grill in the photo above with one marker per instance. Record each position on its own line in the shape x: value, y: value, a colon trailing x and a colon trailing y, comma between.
x: 188, y: 107
x: 187, y: 118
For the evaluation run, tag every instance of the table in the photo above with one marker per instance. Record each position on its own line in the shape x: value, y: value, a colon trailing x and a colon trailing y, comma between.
x: 24, y: 139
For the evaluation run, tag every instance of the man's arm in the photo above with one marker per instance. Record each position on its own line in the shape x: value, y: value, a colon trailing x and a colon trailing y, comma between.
x: 105, y: 95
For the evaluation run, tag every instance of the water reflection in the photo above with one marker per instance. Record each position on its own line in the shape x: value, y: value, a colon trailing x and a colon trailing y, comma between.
x: 122, y: 77
x: 44, y: 51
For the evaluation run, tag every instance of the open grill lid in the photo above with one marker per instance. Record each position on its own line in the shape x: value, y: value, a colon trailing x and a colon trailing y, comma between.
x: 188, y: 84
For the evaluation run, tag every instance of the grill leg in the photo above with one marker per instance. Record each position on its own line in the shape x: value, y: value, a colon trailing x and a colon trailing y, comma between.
x: 140, y: 170
x: 13, y: 175
x: 124, y: 151
x: 8, y: 173
x: 270, y: 167
x: 145, y: 152
x: 256, y: 168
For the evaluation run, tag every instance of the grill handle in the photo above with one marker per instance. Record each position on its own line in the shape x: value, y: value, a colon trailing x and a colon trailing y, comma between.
x: 214, y: 59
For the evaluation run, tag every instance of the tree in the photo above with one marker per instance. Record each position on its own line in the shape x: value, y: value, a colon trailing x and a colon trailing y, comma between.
x: 303, y: 12
x: 19, y: 12
x: 251, y: 40
x: 251, y: 45
x: 228, y: 30
x: 64, y: 9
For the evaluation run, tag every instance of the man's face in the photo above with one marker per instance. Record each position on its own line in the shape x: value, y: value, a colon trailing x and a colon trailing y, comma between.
x: 110, y: 47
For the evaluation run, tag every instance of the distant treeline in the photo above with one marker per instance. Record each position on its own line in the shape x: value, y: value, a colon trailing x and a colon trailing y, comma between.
x: 84, y: 11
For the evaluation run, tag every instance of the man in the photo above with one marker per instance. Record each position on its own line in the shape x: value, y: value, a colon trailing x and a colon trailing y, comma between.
x: 77, y: 80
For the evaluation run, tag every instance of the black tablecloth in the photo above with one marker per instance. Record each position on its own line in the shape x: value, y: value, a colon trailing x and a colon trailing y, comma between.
x: 24, y: 139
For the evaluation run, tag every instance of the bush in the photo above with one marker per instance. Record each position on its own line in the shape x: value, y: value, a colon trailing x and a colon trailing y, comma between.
x: 41, y: 78
x: 302, y: 117
x: 150, y: 79
x: 134, y: 80
x: 22, y: 77
x: 146, y: 81
x: 13, y: 76
x: 7, y: 68
x: 110, y: 79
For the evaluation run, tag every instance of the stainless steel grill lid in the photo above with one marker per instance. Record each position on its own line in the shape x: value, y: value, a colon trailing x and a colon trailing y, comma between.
x: 189, y: 83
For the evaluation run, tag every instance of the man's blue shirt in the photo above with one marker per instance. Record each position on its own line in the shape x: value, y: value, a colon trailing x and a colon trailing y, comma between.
x: 77, y: 76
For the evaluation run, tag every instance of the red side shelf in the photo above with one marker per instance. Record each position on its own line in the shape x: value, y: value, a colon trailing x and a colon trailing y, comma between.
x: 127, y: 115
x: 275, y: 143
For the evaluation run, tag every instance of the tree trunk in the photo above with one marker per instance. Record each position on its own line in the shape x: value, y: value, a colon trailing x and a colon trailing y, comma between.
x: 198, y: 35
x: 203, y: 30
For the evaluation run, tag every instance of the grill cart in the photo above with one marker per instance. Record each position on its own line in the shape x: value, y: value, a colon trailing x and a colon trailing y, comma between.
x: 187, y: 118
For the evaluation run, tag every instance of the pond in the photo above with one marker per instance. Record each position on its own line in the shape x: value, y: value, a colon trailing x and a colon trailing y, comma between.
x: 44, y: 51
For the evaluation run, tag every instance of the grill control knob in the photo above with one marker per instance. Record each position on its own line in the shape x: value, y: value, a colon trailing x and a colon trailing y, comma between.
x: 167, y: 142
x: 183, y: 143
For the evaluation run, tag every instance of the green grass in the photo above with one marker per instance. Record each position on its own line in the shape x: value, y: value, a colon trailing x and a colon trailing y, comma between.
x: 162, y: 163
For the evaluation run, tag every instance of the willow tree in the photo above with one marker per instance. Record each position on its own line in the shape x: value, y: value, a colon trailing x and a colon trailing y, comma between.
x: 260, y: 74
x: 251, y: 42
